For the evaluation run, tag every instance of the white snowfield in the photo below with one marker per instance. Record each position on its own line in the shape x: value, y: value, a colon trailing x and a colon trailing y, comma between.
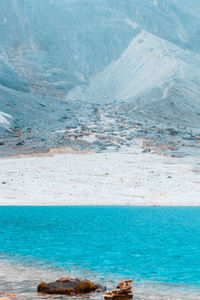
x: 133, y: 178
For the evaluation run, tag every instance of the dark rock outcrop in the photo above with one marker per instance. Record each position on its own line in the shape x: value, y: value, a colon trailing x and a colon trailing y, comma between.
x: 122, y: 291
x: 69, y: 286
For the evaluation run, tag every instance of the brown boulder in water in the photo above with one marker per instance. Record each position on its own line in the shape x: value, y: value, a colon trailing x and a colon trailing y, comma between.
x: 69, y: 286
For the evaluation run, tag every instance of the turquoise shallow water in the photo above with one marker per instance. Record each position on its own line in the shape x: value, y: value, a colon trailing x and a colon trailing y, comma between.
x: 144, y: 243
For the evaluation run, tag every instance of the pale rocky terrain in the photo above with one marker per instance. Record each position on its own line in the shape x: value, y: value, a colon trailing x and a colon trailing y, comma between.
x: 88, y: 178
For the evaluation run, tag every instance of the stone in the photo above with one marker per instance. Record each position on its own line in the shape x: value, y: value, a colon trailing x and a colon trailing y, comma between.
x: 7, y: 296
x: 147, y: 150
x: 20, y: 143
x: 69, y: 286
x: 123, y: 291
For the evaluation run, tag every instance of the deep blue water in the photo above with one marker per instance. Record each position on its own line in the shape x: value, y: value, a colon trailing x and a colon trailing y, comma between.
x: 143, y: 243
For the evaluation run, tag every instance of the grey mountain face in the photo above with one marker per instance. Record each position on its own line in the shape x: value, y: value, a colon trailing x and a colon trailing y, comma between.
x: 62, y: 62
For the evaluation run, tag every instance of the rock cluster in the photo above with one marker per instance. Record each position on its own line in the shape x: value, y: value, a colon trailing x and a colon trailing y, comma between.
x: 122, y: 291
x: 69, y: 286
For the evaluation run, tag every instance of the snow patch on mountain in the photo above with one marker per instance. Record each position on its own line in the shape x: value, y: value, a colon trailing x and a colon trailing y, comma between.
x: 5, y: 120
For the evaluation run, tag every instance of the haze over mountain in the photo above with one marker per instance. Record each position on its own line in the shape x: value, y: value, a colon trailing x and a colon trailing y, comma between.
x: 57, y: 55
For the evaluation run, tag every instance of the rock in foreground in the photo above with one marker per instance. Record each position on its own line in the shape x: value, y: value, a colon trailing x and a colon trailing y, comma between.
x: 122, y: 291
x: 69, y: 286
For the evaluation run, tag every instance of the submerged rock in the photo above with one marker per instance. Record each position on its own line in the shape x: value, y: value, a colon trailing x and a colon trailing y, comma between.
x: 7, y: 296
x: 122, y: 291
x: 69, y: 286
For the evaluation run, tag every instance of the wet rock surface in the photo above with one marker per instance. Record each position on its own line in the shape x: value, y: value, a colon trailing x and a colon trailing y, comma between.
x: 122, y: 291
x: 69, y: 286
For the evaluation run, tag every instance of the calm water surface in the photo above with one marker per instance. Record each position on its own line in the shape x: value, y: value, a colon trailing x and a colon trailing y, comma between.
x: 151, y: 244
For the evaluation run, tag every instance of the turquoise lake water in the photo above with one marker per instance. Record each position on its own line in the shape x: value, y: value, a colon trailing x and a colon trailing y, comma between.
x: 144, y: 243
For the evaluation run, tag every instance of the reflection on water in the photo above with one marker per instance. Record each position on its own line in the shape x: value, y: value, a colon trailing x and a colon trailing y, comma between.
x: 157, y: 247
